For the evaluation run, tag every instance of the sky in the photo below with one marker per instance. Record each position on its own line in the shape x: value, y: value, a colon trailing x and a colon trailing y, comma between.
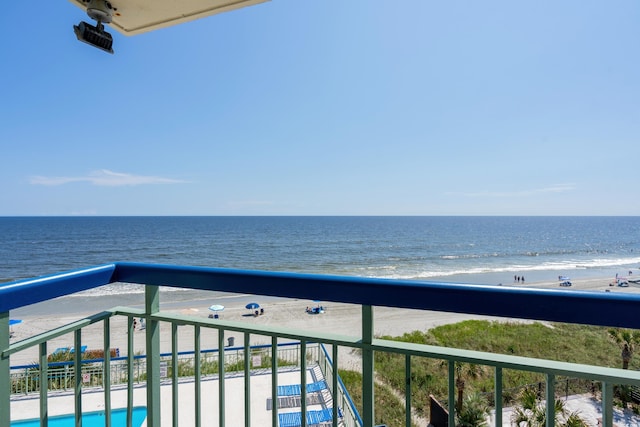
x: 326, y: 107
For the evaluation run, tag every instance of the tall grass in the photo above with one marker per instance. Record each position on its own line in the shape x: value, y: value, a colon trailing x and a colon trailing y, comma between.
x: 389, y: 409
x: 567, y: 342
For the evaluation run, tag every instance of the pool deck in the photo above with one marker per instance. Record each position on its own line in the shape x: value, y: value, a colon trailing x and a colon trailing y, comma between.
x: 61, y: 403
x: 27, y: 407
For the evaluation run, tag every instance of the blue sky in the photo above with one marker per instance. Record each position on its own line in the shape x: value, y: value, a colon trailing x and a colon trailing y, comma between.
x: 332, y: 107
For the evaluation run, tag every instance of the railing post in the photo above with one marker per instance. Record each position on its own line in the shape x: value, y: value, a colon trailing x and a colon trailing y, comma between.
x: 5, y: 370
x: 174, y: 374
x: 367, y: 366
x: 221, y: 379
x: 247, y: 380
x: 197, y: 374
x: 607, y: 404
x: 152, y: 306
x: 452, y: 392
x: 303, y: 383
x: 407, y: 389
x: 44, y: 384
x: 498, y: 396
x: 106, y: 372
x: 130, y: 361
x: 274, y: 380
x: 551, y: 400
x: 334, y: 382
x: 77, y: 371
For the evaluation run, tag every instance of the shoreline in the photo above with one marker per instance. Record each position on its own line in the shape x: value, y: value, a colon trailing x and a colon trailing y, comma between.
x: 340, y: 318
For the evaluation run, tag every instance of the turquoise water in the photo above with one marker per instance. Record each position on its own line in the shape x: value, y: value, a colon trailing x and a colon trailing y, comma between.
x: 90, y: 419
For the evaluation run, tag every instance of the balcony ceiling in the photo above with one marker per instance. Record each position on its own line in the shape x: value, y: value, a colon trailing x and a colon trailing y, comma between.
x: 138, y: 16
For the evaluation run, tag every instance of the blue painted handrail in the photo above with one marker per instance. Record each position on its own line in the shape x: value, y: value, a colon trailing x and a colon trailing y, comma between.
x: 31, y: 291
x: 591, y: 308
x: 570, y: 306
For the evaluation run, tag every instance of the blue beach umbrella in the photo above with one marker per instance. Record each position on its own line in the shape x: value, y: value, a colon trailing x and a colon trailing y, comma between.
x: 252, y: 306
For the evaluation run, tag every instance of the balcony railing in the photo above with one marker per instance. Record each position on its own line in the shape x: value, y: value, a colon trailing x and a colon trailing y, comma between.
x: 589, y: 308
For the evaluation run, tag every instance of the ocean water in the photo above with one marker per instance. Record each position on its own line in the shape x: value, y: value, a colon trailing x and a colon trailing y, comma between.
x: 485, y: 250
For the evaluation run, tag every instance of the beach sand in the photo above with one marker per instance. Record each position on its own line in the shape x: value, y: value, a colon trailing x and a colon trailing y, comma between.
x: 338, y: 318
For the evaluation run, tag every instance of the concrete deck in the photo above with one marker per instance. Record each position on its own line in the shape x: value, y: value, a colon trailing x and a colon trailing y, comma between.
x: 27, y: 407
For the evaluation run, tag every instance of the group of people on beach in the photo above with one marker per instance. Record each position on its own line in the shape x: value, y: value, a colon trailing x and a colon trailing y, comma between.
x: 518, y: 279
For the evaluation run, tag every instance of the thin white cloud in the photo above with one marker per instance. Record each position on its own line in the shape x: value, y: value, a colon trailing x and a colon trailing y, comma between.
x: 249, y: 203
x: 104, y: 178
x: 556, y: 188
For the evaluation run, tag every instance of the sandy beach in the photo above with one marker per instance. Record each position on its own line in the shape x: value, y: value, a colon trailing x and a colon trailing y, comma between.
x: 344, y: 319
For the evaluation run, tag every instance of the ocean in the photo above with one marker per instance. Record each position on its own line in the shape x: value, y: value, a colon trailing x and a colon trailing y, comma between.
x: 482, y: 250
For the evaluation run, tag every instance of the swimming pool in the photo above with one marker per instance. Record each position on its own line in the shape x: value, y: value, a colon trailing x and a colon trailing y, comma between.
x: 89, y: 419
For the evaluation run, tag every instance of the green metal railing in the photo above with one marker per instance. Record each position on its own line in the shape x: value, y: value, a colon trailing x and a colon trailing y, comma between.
x: 556, y: 306
x: 25, y: 379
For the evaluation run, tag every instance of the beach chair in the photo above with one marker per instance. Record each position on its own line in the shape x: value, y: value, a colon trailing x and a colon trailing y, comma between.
x: 294, y: 419
x: 317, y: 386
x: 294, y: 389
x: 289, y: 396
x: 294, y: 401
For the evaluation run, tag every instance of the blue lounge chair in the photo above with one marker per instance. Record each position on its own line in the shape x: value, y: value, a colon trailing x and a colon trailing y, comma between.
x: 294, y: 419
x: 294, y: 389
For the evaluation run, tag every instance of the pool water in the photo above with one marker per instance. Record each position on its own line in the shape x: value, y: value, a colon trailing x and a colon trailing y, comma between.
x: 90, y: 419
